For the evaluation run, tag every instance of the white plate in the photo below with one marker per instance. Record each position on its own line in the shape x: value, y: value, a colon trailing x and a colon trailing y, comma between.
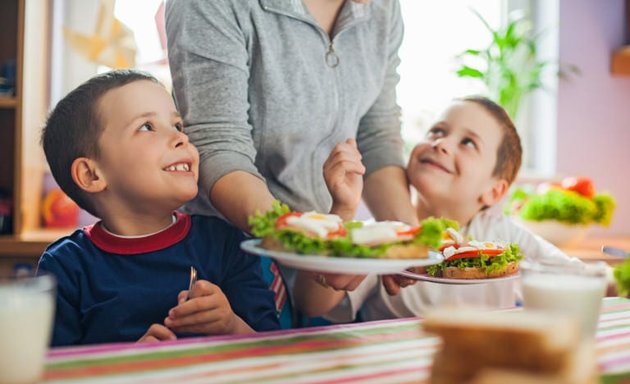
x: 351, y: 265
x: 444, y: 280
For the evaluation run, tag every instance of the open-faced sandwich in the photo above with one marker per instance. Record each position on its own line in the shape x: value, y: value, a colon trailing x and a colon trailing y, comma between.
x: 325, y: 234
x: 476, y: 259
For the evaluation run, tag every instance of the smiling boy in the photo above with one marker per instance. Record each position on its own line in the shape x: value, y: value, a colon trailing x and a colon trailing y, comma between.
x: 462, y: 168
x: 116, y: 146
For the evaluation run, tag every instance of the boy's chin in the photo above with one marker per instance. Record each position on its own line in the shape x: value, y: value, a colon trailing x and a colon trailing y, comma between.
x: 184, y: 197
x: 422, y: 182
x: 189, y: 196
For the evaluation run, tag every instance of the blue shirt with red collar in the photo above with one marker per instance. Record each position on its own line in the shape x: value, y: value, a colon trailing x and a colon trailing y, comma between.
x: 111, y: 289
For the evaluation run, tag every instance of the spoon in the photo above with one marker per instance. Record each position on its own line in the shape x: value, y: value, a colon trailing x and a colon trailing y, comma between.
x: 193, y: 279
x: 614, y: 251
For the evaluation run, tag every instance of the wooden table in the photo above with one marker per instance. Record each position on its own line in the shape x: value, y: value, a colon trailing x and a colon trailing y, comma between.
x: 589, y: 249
x: 372, y: 352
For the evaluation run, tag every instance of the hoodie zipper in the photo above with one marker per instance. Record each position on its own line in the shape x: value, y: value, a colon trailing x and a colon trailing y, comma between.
x: 332, y: 60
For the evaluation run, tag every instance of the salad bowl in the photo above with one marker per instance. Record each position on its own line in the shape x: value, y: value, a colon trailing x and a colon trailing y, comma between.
x: 557, y: 233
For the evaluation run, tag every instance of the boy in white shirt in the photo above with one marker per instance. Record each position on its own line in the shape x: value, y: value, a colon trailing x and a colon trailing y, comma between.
x: 462, y: 168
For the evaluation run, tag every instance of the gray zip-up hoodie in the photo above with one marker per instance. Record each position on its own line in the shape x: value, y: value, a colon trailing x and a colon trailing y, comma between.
x: 263, y: 89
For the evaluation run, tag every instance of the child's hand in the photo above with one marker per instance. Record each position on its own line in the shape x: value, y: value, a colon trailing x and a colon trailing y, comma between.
x: 207, y: 311
x: 343, y: 172
x: 157, y: 332
x: 393, y: 283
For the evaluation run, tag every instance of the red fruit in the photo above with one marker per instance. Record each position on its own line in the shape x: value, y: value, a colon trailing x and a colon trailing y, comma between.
x: 582, y: 185
x: 59, y: 210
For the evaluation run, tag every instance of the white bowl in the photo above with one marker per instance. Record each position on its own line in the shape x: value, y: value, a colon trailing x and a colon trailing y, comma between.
x: 555, y: 232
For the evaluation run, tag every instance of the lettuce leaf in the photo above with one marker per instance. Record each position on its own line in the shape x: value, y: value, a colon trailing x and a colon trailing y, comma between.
x: 565, y: 206
x: 487, y: 264
x: 264, y: 224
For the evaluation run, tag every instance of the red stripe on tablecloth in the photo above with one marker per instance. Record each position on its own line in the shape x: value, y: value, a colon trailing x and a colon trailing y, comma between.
x: 266, y: 367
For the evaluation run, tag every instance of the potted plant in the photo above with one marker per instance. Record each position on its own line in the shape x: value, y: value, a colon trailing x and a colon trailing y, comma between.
x: 508, y: 66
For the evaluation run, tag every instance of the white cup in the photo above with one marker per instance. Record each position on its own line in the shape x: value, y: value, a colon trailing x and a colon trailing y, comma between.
x: 575, y: 289
x: 27, y: 306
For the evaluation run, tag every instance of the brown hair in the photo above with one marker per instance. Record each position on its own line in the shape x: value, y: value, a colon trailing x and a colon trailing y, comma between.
x: 510, y: 152
x: 75, y: 126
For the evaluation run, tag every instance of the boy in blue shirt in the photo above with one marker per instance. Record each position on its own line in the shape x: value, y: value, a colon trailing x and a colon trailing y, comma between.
x: 116, y: 146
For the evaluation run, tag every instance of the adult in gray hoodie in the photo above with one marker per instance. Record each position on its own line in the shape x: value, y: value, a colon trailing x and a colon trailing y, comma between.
x: 267, y: 88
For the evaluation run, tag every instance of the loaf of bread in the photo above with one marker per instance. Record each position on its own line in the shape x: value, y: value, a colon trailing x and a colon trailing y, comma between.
x: 509, y: 347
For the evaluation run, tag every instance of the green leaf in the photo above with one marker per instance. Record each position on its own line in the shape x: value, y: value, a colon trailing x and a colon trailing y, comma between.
x: 622, y: 277
x: 467, y: 71
x: 472, y: 52
x: 605, y: 204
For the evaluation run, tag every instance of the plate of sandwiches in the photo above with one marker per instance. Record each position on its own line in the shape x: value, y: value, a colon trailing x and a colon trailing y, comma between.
x: 473, y: 262
x: 339, y: 264
x: 325, y: 243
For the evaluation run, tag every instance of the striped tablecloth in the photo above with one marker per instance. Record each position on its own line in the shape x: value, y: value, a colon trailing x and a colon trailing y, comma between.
x: 392, y: 351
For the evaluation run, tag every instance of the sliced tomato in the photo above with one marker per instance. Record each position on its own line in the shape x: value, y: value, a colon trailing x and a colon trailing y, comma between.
x: 339, y: 233
x: 282, y: 220
x: 410, y: 232
x: 476, y: 253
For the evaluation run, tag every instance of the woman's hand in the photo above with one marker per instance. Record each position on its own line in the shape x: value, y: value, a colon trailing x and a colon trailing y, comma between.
x: 207, y: 311
x: 343, y: 173
x: 156, y: 333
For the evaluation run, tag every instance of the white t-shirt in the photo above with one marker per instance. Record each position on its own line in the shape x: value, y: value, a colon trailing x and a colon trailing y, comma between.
x: 414, y: 300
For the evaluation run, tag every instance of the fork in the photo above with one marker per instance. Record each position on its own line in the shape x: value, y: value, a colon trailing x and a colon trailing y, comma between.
x: 614, y: 251
x: 193, y: 279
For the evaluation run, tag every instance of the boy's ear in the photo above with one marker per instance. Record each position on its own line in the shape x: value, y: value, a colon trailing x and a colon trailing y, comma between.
x: 86, y: 175
x: 495, y: 193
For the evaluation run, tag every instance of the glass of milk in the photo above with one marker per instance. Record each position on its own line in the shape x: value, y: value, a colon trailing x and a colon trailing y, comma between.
x: 27, y: 305
x: 573, y: 289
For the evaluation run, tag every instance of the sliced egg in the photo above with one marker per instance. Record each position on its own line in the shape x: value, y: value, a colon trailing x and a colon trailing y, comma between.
x: 379, y: 233
x: 319, y: 224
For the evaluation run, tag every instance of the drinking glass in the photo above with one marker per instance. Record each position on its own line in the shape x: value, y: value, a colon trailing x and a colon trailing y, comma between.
x: 574, y: 289
x: 27, y: 306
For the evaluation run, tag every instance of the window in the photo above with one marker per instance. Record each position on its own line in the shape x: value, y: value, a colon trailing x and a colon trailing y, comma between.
x: 435, y: 32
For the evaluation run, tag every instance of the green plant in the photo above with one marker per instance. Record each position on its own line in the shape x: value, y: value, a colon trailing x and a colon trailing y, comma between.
x: 509, y: 67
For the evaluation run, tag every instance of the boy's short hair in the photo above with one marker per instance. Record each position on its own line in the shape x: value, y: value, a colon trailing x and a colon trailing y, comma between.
x: 74, y: 127
x: 510, y: 152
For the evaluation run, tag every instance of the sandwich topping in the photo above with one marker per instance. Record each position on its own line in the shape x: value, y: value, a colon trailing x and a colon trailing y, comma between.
x: 321, y: 225
x: 475, y: 259
x: 473, y: 248
x: 315, y: 233
x: 383, y: 232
